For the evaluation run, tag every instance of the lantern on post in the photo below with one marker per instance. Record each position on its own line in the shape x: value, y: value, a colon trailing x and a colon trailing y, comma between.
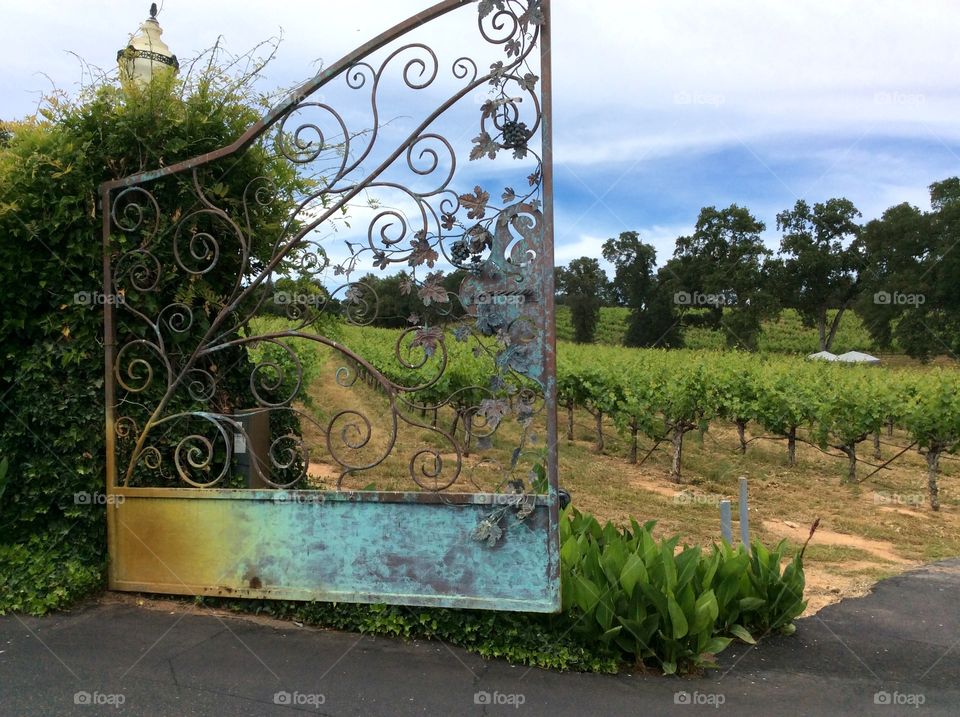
x: 146, y: 56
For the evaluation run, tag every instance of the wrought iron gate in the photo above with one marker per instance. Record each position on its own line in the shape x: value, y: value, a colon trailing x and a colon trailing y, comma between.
x: 226, y: 477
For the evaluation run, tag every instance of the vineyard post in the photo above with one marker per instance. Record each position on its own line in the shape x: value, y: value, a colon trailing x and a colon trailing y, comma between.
x: 726, y: 522
x: 744, y: 518
x: 467, y: 431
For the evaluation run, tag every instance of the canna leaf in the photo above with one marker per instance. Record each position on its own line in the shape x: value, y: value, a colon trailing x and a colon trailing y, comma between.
x: 741, y: 632
x: 677, y: 619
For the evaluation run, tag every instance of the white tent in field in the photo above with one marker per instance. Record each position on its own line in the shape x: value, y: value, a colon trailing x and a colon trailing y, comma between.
x: 857, y: 357
x: 823, y: 356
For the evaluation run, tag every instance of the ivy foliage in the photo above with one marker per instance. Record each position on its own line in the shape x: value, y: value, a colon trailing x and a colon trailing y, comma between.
x: 52, y: 519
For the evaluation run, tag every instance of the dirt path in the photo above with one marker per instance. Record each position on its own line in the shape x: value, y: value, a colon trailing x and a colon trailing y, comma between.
x: 830, y: 582
x: 693, y: 511
x: 798, y: 534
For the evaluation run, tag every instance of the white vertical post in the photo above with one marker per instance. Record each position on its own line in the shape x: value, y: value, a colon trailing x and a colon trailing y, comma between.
x: 744, y: 518
x: 726, y: 522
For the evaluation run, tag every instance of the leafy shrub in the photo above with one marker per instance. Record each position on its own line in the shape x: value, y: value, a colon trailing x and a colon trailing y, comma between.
x: 48, y: 573
x: 626, y: 590
x: 774, y: 598
x: 639, y: 595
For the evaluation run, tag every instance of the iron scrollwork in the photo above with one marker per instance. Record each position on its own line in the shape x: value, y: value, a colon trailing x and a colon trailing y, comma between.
x: 176, y: 421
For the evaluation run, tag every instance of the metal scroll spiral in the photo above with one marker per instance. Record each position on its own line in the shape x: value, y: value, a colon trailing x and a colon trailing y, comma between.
x: 167, y: 385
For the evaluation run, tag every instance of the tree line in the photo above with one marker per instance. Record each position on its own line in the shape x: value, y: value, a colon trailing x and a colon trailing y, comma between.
x: 896, y: 272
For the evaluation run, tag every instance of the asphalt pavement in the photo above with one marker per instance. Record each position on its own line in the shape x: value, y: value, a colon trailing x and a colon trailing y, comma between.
x: 893, y: 652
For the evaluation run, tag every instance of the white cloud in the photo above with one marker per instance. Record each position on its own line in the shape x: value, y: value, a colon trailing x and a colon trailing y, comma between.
x: 662, y: 237
x: 814, y: 65
x: 634, y: 83
x: 584, y: 245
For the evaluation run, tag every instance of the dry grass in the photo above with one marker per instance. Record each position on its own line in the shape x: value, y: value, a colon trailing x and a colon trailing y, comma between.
x: 434, y: 455
x: 870, y: 531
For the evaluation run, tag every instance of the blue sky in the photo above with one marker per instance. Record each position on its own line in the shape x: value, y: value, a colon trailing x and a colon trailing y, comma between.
x: 661, y: 107
x: 662, y: 195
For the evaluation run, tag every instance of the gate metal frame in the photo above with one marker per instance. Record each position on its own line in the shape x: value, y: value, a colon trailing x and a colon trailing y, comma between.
x: 407, y: 547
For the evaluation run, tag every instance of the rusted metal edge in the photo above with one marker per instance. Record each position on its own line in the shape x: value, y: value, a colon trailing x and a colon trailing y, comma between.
x: 276, y: 495
x: 453, y: 601
x: 549, y: 291
x: 109, y: 349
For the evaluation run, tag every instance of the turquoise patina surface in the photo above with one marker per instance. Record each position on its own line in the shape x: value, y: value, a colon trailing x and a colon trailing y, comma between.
x: 332, y: 547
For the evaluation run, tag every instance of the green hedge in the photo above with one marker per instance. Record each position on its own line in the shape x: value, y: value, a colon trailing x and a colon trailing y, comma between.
x: 52, y: 543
